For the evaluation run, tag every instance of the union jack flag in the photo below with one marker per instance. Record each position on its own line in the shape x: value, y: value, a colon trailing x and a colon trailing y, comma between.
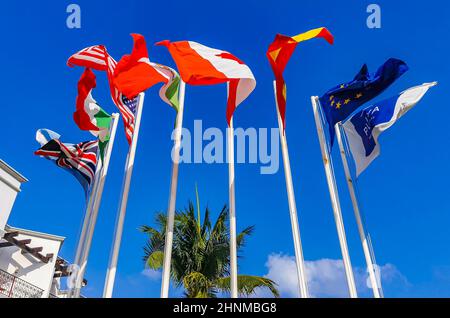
x: 78, y: 159
x: 98, y: 58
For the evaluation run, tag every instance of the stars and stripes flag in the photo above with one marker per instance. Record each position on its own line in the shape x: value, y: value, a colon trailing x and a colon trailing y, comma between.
x: 279, y: 53
x: 92, y: 57
x: 202, y: 65
x: 78, y: 159
x: 127, y: 107
x: 133, y: 74
x: 96, y: 57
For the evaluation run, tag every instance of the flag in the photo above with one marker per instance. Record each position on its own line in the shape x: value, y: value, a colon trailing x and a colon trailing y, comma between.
x: 80, y: 160
x: 339, y: 102
x: 89, y: 115
x: 279, y: 53
x: 202, y: 65
x: 92, y: 57
x: 104, y: 62
x: 135, y: 73
x: 365, y: 126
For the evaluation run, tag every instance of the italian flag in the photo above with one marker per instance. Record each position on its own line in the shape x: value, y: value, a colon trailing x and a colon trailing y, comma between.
x: 202, y: 65
x: 89, y: 115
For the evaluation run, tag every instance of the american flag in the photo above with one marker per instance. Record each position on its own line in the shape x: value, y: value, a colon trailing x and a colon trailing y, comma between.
x: 80, y: 160
x: 92, y: 57
x: 97, y: 57
x: 126, y: 107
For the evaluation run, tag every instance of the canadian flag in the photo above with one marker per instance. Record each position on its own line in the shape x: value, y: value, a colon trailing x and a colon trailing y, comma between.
x: 202, y: 65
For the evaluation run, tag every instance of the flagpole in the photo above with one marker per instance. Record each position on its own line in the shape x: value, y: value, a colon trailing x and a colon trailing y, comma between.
x: 173, y: 196
x: 96, y: 205
x: 300, y: 262
x: 231, y: 189
x: 82, y: 239
x: 332, y: 187
x: 362, y: 233
x: 112, y: 267
x: 85, y: 225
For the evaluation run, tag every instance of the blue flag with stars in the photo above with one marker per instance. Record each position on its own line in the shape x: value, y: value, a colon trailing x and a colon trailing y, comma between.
x: 339, y: 102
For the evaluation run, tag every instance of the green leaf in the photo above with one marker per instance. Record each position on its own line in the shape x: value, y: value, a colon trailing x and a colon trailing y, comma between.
x: 155, y: 260
x: 248, y: 284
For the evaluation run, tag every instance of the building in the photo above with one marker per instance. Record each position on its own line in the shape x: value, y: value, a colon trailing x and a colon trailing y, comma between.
x: 10, y: 183
x: 29, y: 263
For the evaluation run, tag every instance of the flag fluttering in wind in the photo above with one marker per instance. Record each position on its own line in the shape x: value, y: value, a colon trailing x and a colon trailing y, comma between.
x: 135, y: 73
x: 98, y: 58
x: 91, y: 57
x: 78, y: 159
x: 279, y: 53
x: 89, y: 115
x: 339, y: 102
x: 364, y: 127
x: 202, y: 65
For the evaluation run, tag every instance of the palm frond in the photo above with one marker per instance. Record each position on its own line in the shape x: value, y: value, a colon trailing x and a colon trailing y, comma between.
x: 240, y: 238
x: 196, y: 285
x: 248, y: 284
x: 155, y: 260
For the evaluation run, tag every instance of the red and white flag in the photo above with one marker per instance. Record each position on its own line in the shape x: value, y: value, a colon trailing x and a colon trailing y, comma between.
x: 91, y: 57
x: 97, y: 57
x: 202, y: 65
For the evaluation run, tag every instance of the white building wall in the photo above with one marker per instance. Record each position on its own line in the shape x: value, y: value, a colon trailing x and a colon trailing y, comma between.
x: 27, y: 267
x: 10, y: 181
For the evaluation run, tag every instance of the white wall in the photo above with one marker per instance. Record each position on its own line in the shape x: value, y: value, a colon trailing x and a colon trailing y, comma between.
x: 27, y: 267
x: 10, y: 181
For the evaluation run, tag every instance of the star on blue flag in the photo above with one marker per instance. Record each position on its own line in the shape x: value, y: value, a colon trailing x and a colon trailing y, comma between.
x: 340, y: 101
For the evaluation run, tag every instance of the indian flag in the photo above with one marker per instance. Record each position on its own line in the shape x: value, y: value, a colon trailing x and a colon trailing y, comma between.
x: 89, y: 115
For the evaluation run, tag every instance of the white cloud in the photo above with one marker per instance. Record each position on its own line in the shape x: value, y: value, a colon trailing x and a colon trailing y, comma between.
x: 152, y: 274
x: 326, y: 277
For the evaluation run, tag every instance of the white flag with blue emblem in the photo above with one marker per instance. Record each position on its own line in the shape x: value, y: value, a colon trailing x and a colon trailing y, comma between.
x: 364, y: 127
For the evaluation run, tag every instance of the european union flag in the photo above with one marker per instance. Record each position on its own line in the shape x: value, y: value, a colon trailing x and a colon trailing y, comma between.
x: 339, y: 102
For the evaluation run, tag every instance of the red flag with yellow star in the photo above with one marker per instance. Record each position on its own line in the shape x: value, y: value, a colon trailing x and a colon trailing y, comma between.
x: 280, y: 52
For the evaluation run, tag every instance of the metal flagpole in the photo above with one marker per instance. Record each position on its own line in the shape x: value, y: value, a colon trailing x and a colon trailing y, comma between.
x: 112, y: 267
x: 85, y: 225
x: 332, y: 187
x: 231, y: 189
x: 173, y: 196
x: 97, y: 201
x: 82, y: 239
x: 301, y: 272
x: 359, y: 221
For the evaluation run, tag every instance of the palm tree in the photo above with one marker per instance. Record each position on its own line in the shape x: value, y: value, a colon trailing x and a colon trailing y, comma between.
x: 201, y: 254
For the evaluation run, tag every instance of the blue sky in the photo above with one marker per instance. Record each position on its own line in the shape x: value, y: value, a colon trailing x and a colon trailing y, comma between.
x: 404, y: 193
